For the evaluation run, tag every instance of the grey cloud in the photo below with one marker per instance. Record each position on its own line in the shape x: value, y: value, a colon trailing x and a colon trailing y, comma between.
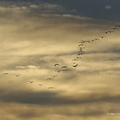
x: 54, y: 98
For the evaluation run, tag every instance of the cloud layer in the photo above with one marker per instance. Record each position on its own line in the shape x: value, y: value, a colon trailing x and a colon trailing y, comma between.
x: 37, y: 35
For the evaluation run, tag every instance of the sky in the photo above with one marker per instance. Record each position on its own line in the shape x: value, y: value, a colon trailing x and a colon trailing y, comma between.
x: 59, y: 59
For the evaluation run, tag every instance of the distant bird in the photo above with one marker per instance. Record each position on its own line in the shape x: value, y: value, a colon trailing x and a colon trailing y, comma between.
x: 58, y: 70
x: 65, y: 69
x: 56, y: 65
x: 97, y: 39
x: 49, y: 78
x: 110, y: 31
x: 55, y: 76
x: 31, y: 81
x: 5, y: 73
x: 106, y: 32
x: 88, y: 41
x: 101, y: 36
x: 78, y: 57
x: 64, y: 66
x: 115, y: 28
x: 80, y: 53
x: 40, y: 84
x: 75, y: 65
x: 51, y: 87
x: 117, y: 25
x: 83, y: 41
x: 74, y: 59
x: 18, y: 75
x: 80, y: 45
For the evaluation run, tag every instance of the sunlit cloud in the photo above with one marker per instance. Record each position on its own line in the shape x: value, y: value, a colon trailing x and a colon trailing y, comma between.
x: 27, y: 67
x: 108, y: 7
x: 42, y: 75
x: 34, y: 6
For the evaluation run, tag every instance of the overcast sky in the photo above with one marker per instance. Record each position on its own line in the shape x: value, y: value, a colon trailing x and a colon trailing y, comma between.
x: 59, y: 59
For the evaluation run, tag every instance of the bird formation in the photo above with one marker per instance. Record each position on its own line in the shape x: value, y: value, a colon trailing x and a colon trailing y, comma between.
x: 17, y: 75
x: 79, y: 54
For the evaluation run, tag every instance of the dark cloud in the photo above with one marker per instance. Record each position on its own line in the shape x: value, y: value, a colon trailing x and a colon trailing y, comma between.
x: 36, y: 34
x: 89, y: 8
x: 54, y: 98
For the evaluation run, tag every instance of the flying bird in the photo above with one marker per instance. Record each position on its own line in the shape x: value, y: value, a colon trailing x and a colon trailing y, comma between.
x: 40, y: 84
x: 115, y: 28
x: 97, y: 39
x: 101, y: 36
x: 18, y: 75
x: 110, y: 31
x: 58, y: 70
x: 80, y: 45
x: 64, y: 66
x: 106, y: 32
x: 74, y: 59
x: 31, y: 81
x: 75, y: 65
x: 117, y: 25
x: 51, y: 87
x: 55, y: 76
x: 66, y: 70
x: 56, y: 64
x: 80, y: 53
x: 49, y: 79
x: 88, y: 41
x: 5, y: 73
x: 78, y: 57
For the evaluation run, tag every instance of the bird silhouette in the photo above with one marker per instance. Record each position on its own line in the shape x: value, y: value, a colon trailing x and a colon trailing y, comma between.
x: 5, y: 73
x: 75, y: 65
x: 40, y: 84
x: 31, y: 81
x: 49, y: 78
x: 64, y: 66
x: 18, y: 75
x: 51, y: 87
x: 56, y: 64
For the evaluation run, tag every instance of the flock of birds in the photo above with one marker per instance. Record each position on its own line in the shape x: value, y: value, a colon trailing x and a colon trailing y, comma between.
x: 77, y: 58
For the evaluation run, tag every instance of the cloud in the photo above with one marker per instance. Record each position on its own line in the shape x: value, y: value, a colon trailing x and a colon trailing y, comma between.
x: 108, y: 7
x: 36, y: 36
x: 75, y: 105
x: 27, y: 67
x: 50, y: 6
x: 34, y: 6
x: 56, y: 98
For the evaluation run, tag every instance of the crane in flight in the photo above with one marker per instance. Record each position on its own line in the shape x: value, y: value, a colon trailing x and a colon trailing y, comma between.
x: 56, y: 64
x: 51, y: 87
x: 5, y: 73
x: 49, y: 79
x: 31, y: 81
x: 75, y: 65
x: 64, y: 66
x: 40, y: 84
x: 17, y: 75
